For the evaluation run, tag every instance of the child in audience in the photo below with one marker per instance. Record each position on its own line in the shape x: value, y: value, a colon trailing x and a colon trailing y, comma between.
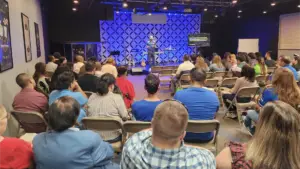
x: 125, y: 86
x: 143, y: 110
x: 67, y: 147
x: 14, y: 153
x: 216, y: 64
x: 162, y: 146
x: 40, y: 78
x: 275, y: 144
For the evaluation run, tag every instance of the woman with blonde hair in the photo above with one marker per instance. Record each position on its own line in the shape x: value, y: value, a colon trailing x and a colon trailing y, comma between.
x: 216, y: 64
x: 79, y: 63
x: 275, y: 145
x: 200, y: 64
x: 110, y: 67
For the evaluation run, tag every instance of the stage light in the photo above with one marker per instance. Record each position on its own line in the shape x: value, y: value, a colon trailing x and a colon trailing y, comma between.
x: 74, y: 9
x: 216, y: 16
x: 117, y: 11
x: 240, y: 11
x: 234, y: 1
x: 264, y: 12
x: 165, y: 8
x: 149, y: 13
x: 76, y: 1
x: 273, y: 3
x: 205, y: 9
x: 298, y: 6
x: 125, y: 4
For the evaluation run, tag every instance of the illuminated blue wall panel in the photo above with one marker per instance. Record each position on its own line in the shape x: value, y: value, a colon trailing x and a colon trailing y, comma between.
x: 124, y: 36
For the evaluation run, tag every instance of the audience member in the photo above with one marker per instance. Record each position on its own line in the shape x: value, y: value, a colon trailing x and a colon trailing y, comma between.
x: 105, y: 103
x: 109, y: 67
x: 15, y: 153
x: 51, y: 65
x: 202, y: 103
x: 61, y: 61
x: 88, y: 81
x: 39, y: 77
x: 284, y: 87
x: 253, y: 59
x: 79, y: 63
x: 185, y: 66
x: 125, y: 86
x: 275, y: 144
x: 269, y: 61
x: 57, y: 55
x: 247, y: 80
x: 28, y: 99
x: 285, y: 61
x: 54, y: 77
x: 200, y: 64
x: 260, y: 67
x: 216, y: 64
x: 194, y: 58
x: 98, y: 71
x: 162, y: 147
x: 258, y: 54
x: 232, y: 56
x: 234, y: 67
x: 241, y: 61
x: 67, y: 86
x: 143, y: 110
x: 65, y: 146
x: 296, y: 63
x: 227, y: 61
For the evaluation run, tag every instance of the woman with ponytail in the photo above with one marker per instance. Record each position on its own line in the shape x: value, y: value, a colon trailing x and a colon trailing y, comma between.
x: 105, y: 103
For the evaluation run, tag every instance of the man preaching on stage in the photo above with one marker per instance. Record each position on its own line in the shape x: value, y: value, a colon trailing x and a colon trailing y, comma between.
x: 151, y: 46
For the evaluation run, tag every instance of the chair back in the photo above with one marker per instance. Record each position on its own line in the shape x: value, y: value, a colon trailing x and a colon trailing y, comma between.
x: 247, y: 92
x: 185, y: 78
x: 212, y: 83
x: 229, y: 74
x: 220, y: 74
x: 261, y: 79
x: 166, y: 72
x: 102, y: 123
x: 271, y: 69
x: 203, y: 126
x: 209, y: 75
x: 229, y: 81
x: 135, y: 126
x: 88, y: 93
x: 31, y: 122
x: 156, y: 69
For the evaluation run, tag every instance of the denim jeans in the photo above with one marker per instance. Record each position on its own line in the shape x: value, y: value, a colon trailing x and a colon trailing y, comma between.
x: 252, y: 115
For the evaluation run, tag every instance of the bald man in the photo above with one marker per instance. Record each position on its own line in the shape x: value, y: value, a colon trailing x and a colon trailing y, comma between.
x: 28, y: 99
x: 162, y: 146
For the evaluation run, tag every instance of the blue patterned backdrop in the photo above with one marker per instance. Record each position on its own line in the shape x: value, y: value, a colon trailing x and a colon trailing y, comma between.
x: 124, y: 36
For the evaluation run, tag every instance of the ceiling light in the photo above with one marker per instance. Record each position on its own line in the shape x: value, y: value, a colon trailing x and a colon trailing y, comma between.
x: 298, y: 6
x: 264, y: 12
x: 76, y: 1
x: 165, y: 8
x: 149, y: 13
x: 240, y: 11
x: 216, y: 16
x: 205, y: 9
x: 125, y: 5
x: 74, y: 9
x: 117, y: 11
x: 234, y: 1
x: 239, y: 16
x: 273, y: 3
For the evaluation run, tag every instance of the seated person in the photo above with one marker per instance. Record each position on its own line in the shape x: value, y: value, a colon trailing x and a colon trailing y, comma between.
x: 125, y: 86
x: 14, y: 152
x: 260, y: 67
x: 247, y: 80
x: 39, y: 77
x: 143, y: 110
x: 105, y: 103
x: 285, y: 61
x: 65, y: 146
x: 200, y: 64
x: 216, y: 64
x: 241, y: 61
x: 275, y: 144
x: 162, y: 146
x: 284, y: 87
x: 202, y: 104
x: 67, y: 86
x: 269, y: 61
x: 79, y: 63
x: 51, y: 65
x: 87, y: 82
x: 98, y: 71
x: 110, y: 67
x: 28, y: 99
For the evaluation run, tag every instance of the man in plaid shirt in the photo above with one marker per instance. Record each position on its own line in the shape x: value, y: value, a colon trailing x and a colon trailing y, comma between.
x: 163, y: 147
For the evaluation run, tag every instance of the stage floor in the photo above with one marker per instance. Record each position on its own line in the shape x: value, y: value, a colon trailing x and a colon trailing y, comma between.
x: 146, y: 69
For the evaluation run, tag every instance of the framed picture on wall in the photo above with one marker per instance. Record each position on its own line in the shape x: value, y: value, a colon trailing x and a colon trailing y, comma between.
x: 26, y: 37
x: 6, y: 60
x: 37, y: 39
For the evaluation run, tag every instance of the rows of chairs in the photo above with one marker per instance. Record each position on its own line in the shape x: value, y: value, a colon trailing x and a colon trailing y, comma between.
x: 33, y: 122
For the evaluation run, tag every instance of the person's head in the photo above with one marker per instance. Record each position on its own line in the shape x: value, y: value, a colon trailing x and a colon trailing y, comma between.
x: 248, y: 72
x: 186, y: 57
x: 217, y: 60
x: 232, y: 56
x: 285, y: 86
x: 258, y: 54
x: 65, y: 80
x: 200, y: 63
x: 122, y: 71
x: 240, y: 59
x: 252, y: 56
x: 57, y: 55
x: 227, y: 56
x: 198, y: 76
x: 105, y: 84
x: 110, y: 61
x: 4, y: 116
x: 98, y: 66
x: 92, y: 59
x: 79, y: 58
x: 296, y: 60
x: 169, y: 122
x: 40, y: 70
x: 25, y: 81
x: 194, y: 58
x: 63, y: 113
x: 268, y: 55
x: 51, y: 58
x: 90, y: 67
x: 284, y: 60
x: 61, y: 61
x: 275, y: 144
x: 152, y: 84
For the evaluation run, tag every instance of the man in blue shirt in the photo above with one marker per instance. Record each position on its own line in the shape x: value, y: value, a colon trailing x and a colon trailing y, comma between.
x: 67, y: 86
x: 143, y: 110
x: 202, y: 104
x: 285, y: 61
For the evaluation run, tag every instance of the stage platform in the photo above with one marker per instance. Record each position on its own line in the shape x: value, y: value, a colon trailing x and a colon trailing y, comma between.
x: 138, y: 69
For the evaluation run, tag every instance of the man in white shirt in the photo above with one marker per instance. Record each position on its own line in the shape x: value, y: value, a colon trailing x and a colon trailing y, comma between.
x: 51, y: 66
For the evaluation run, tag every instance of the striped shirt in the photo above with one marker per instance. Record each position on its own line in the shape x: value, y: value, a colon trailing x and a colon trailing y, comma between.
x: 139, y: 153
x: 109, y: 105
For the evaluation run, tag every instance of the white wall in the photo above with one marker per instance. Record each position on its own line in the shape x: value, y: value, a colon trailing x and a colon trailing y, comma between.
x: 31, y: 8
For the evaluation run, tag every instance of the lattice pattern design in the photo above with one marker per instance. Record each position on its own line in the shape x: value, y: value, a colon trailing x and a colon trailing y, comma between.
x: 124, y: 36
